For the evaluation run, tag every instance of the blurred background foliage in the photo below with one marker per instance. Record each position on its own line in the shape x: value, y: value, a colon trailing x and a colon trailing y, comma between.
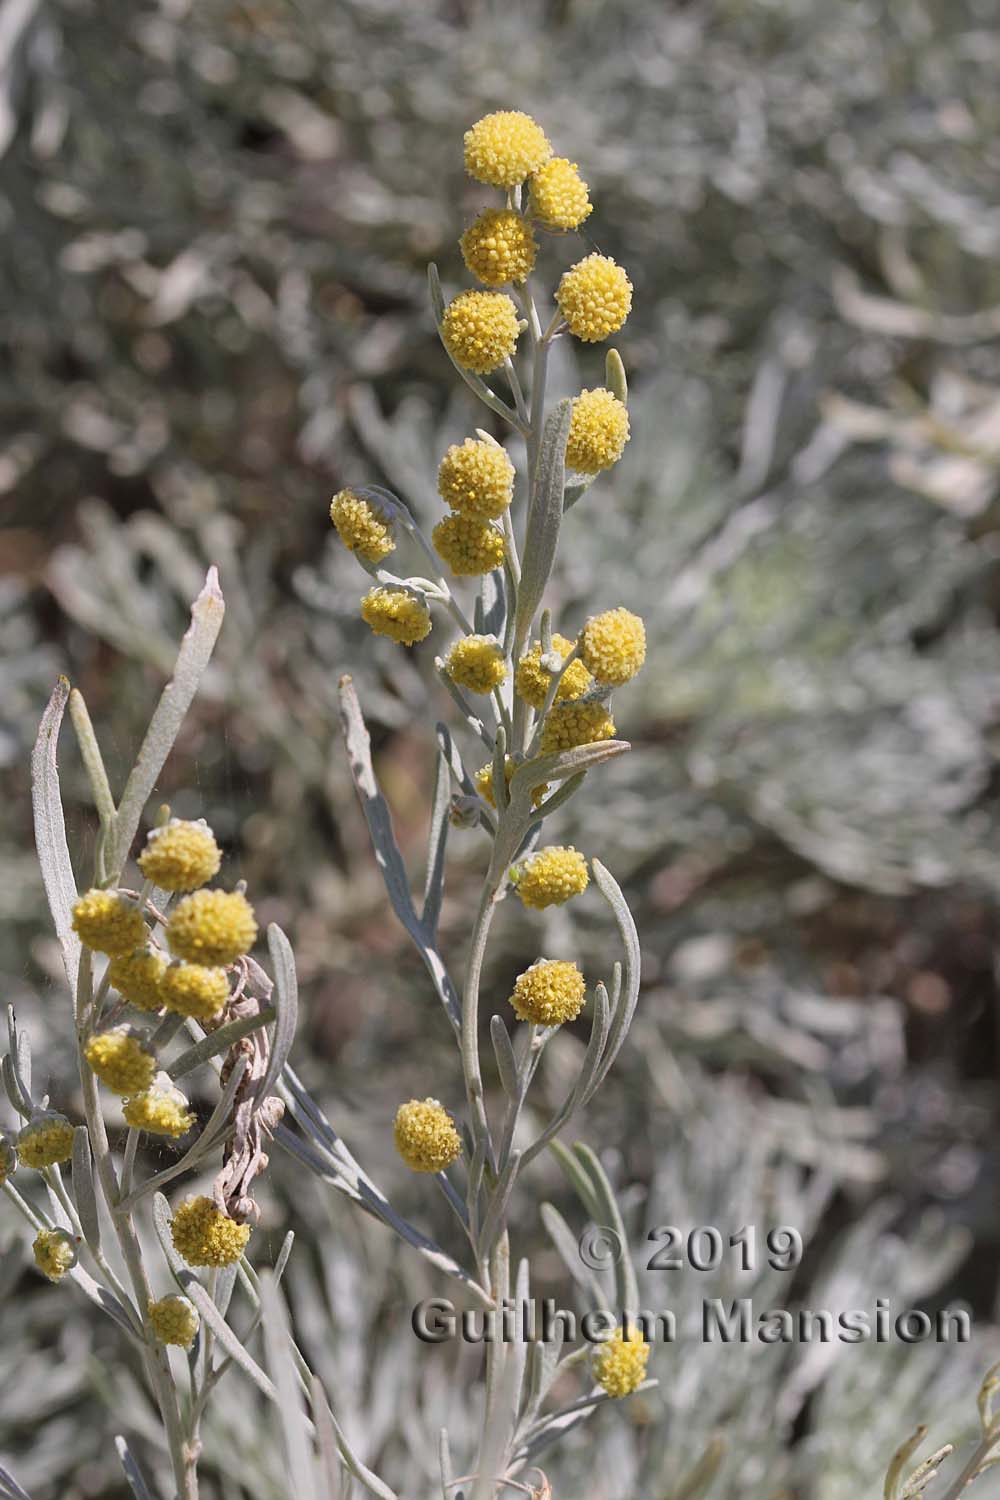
x: 216, y: 221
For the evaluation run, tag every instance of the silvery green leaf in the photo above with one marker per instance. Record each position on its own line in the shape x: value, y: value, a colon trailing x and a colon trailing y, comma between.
x: 614, y: 376
x: 608, y: 1213
x: 296, y: 1435
x: 696, y: 1482
x: 568, y: 1248
x: 326, y: 1440
x: 579, y: 1180
x: 161, y: 1223
x: 84, y: 1192
x: 20, y: 1048
x: 175, y: 700
x: 559, y: 1423
x: 225, y: 1335
x: 493, y: 1224
x: 902, y: 1455
x: 93, y: 761
x: 12, y: 1087
x: 491, y: 604
x: 445, y: 1463
x: 133, y: 1474
x: 371, y: 1482
x: 544, y: 516
x: 50, y: 831
x: 477, y: 385
x: 286, y: 989
x: 579, y: 1094
x: 576, y: 491
x: 563, y: 764
x: 217, y: 1126
x: 624, y: 1009
x: 218, y: 1041
x: 500, y: 793
x: 504, y: 1053
x: 9, y: 1487
x: 437, y: 845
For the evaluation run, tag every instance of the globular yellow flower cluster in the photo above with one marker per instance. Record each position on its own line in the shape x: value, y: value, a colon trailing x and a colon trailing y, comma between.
x: 55, y: 1253
x: 476, y: 478
x: 550, y: 993
x: 136, y: 976
x: 484, y: 783
x: 613, y: 646
x: 468, y: 545
x: 550, y: 877
x: 480, y: 330
x: 108, y: 923
x: 205, y: 1236
x: 504, y: 148
x: 499, y: 247
x: 598, y: 432
x: 173, y: 1320
x: 559, y: 198
x: 568, y: 725
x: 620, y: 1363
x: 477, y: 663
x: 362, y: 526
x: 194, y: 990
x: 401, y: 615
x: 532, y: 681
x: 212, y: 927
x: 120, y: 1061
x: 595, y: 297
x: 159, y: 1112
x: 425, y: 1136
x: 8, y: 1159
x: 180, y: 856
x: 46, y: 1140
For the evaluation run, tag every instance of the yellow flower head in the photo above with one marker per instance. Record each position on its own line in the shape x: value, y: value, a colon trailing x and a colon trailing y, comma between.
x: 206, y: 1237
x: 499, y: 247
x: 620, y: 1363
x: 180, y: 856
x: 550, y: 877
x: 613, y: 645
x: 549, y: 993
x: 212, y: 927
x: 531, y: 680
x: 362, y: 526
x: 559, y: 197
x: 105, y: 921
x: 598, y: 432
x: 476, y: 478
x: 8, y: 1159
x: 194, y: 990
x: 402, y: 616
x: 468, y: 545
x: 45, y: 1141
x: 136, y: 976
x: 595, y: 297
x: 477, y: 663
x: 173, y: 1320
x: 484, y: 782
x: 159, y: 1112
x: 504, y: 148
x: 55, y: 1253
x: 568, y: 725
x: 425, y: 1136
x: 480, y: 330
x: 120, y: 1061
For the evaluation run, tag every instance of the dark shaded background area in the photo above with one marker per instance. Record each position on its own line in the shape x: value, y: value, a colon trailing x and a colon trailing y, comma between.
x: 215, y: 227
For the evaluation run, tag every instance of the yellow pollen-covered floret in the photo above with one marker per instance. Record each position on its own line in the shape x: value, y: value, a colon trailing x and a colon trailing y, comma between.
x: 480, y: 330
x: 620, y: 1363
x: 559, y: 198
x: 362, y: 526
x: 568, y: 725
x: 159, y: 1112
x: 206, y: 1237
x: 476, y: 663
x: 120, y: 1061
x: 212, y: 927
x: 484, y: 782
x: 8, y: 1159
x: 550, y: 877
x: 425, y: 1136
x: 477, y: 478
x: 468, y: 545
x: 598, y: 432
x: 396, y: 613
x: 550, y: 993
x: 504, y: 148
x: 45, y: 1141
x: 181, y: 855
x: 531, y: 680
x: 499, y: 247
x: 136, y: 976
x: 613, y: 645
x: 595, y: 297
x: 109, y: 923
x: 55, y: 1253
x: 194, y: 990
x: 173, y: 1320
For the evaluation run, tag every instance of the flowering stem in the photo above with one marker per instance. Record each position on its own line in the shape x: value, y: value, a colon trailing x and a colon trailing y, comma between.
x: 470, y: 1033
x: 22, y: 1207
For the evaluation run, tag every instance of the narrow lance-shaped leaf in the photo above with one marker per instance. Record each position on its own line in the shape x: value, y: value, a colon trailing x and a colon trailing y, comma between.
x: 50, y: 831
x: 437, y: 845
x: 84, y: 1191
x: 286, y: 989
x: 544, y: 517
x: 133, y: 1474
x: 218, y: 1041
x: 225, y: 1335
x: 625, y: 1009
x: 295, y: 1428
